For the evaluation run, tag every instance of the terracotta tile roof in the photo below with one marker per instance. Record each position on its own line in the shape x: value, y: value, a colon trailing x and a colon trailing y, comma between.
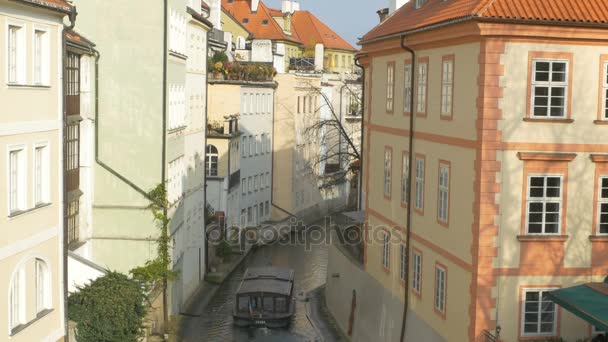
x: 275, y: 12
x: 311, y: 29
x: 438, y: 11
x: 59, y: 5
x: 260, y: 24
x: 78, y: 39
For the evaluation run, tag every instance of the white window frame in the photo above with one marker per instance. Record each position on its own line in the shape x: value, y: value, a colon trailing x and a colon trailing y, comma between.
x: 443, y: 206
x: 420, y: 3
x: 549, y: 84
x: 440, y: 288
x: 423, y: 69
x: 269, y: 181
x: 244, y: 186
x: 539, y: 312
x: 17, y: 299
x: 544, y: 201
x: 405, y: 182
x: 605, y: 92
x: 447, y: 87
x: 244, y: 149
x: 251, y: 145
x: 601, y: 201
x: 41, y: 77
x: 420, y: 173
x: 42, y: 173
x: 407, y: 99
x: 388, y: 165
x: 20, y: 57
x: 43, y: 286
x: 19, y: 204
x: 390, y: 87
x: 386, y: 253
x: 595, y: 331
x: 403, y: 258
x: 416, y: 271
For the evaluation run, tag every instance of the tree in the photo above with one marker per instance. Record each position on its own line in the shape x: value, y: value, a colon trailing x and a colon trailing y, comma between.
x: 109, y: 309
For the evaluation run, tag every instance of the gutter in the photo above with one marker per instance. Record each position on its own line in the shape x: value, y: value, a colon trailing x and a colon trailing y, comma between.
x: 164, y: 146
x: 409, y: 178
x: 360, y: 199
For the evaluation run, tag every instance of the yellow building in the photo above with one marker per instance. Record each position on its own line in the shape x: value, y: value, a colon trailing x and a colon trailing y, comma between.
x: 508, y: 170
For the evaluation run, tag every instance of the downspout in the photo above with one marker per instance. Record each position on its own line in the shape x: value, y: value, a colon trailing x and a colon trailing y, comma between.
x: 409, y: 178
x: 205, y: 158
x: 164, y: 147
x: 360, y: 195
x: 72, y: 17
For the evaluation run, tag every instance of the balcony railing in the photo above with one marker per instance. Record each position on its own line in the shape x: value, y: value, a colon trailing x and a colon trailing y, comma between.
x: 302, y: 63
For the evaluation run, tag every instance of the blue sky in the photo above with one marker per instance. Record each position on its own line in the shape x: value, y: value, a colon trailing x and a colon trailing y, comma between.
x: 351, y: 19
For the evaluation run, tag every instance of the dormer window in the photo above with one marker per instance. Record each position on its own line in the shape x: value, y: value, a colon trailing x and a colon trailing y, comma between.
x: 264, y: 22
x: 420, y: 3
x: 245, y: 20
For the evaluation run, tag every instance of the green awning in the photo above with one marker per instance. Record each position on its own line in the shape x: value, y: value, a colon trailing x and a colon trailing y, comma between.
x: 588, y: 301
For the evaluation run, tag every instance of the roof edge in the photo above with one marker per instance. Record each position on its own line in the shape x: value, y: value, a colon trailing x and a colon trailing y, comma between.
x: 38, y: 3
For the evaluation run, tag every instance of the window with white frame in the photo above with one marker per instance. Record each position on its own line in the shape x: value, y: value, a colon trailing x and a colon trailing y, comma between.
x: 605, y: 92
x: 419, y: 200
x: 544, y: 204
x: 250, y: 181
x: 16, y: 58
x: 447, y: 86
x: 549, y: 88
x: 268, y: 179
x: 267, y: 207
x: 444, y: 193
x: 177, y: 106
x: 386, y: 250
x: 249, y: 216
x: 211, y: 161
x: 244, y: 149
x: 596, y: 331
x: 17, y: 299
x: 420, y: 3
x: 440, y: 285
x: 408, y: 89
x: 539, y: 314
x: 421, y: 91
x: 405, y: 182
x: 243, y: 218
x: 73, y: 146
x: 41, y: 174
x: 41, y: 57
x: 403, y: 258
x: 17, y: 180
x: 255, y: 183
x: 258, y: 144
x: 268, y: 143
x: 43, y: 286
x: 390, y: 87
x: 262, y: 143
x: 261, y: 210
x: 417, y: 271
x: 73, y: 221
x: 251, y: 145
x: 244, y: 186
x: 603, y: 205
x: 175, y: 179
x: 388, y: 160
x: 255, y: 214
x: 177, y: 32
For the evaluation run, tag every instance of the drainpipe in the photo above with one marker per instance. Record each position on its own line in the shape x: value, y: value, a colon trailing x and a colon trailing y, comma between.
x: 205, y: 159
x: 72, y: 17
x: 360, y: 194
x: 164, y: 147
x: 409, y: 177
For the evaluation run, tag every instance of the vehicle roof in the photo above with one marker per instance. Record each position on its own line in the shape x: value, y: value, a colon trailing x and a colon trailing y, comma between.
x: 267, y: 279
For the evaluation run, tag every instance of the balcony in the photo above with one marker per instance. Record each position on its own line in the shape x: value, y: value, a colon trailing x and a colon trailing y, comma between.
x: 302, y: 64
x: 235, y: 179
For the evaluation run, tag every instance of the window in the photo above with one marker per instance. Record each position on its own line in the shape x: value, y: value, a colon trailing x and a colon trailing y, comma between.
x: 419, y: 200
x: 603, y: 205
x: 264, y: 22
x: 447, y: 85
x: 16, y: 54
x: 268, y: 144
x: 177, y: 32
x: 41, y: 175
x: 262, y: 143
x: 177, y: 106
x: 41, y: 57
x: 251, y: 145
x: 422, y: 87
x: 17, y: 299
x: 420, y: 3
x: 267, y: 206
x: 544, y: 204
x: 596, y: 331
x: 268, y: 178
x: 444, y: 193
x: 243, y: 217
x: 175, y: 180
x: 244, y: 149
x: 245, y: 20
x: 72, y: 89
x: 403, y: 268
x: 255, y: 182
x: 538, y: 313
x: 388, y: 156
x: 255, y: 213
x: 604, y: 115
x: 211, y: 161
x: 405, y: 182
x: 440, y: 286
x: 17, y: 179
x: 244, y: 186
x: 408, y: 89
x: 390, y: 87
x: 250, y: 181
x: 43, y: 286
x: 257, y: 144
x: 73, y: 146
x: 261, y: 207
x: 549, y: 88
x: 249, y: 216
x: 386, y: 250
x: 417, y: 271
x: 262, y: 180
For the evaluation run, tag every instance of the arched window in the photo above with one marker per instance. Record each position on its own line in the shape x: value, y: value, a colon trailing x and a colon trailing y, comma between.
x: 211, y: 161
x: 43, y: 286
x: 17, y: 299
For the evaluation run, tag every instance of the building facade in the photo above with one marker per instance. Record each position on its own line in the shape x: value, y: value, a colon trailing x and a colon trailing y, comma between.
x: 505, y: 179
x: 32, y: 202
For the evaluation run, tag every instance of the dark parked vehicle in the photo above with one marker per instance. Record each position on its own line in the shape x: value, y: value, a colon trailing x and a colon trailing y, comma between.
x: 265, y: 298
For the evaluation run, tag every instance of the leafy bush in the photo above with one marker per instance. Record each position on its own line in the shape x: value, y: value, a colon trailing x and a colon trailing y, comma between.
x: 109, y: 309
x: 220, y: 57
x: 223, y: 249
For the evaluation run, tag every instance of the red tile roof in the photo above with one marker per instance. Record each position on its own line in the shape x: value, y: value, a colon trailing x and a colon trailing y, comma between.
x: 311, y: 29
x: 60, y: 5
x: 407, y: 18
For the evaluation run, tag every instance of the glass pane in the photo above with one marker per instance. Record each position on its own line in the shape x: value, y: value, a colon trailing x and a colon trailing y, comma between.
x: 536, y: 192
x: 537, y: 181
x: 541, y: 91
x: 546, y: 327
x: 604, y: 193
x: 605, y: 182
x: 541, y: 101
x: 532, y: 296
x: 536, y: 207
x: 558, y: 91
x: 268, y: 304
x: 552, y: 207
x: 557, y: 111
x: 559, y: 66
x: 243, y: 303
x: 531, y: 307
x: 553, y: 181
x: 558, y: 77
x: 280, y: 304
x: 535, y: 218
x: 546, y: 317
x: 531, y: 318
x: 530, y: 328
x: 553, y: 192
x: 551, y: 228
x: 535, y: 228
x: 542, y: 66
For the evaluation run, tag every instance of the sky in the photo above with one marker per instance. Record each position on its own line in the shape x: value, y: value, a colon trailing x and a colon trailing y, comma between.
x: 351, y: 19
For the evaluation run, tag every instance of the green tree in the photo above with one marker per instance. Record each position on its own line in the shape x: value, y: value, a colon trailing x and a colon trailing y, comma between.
x: 109, y: 309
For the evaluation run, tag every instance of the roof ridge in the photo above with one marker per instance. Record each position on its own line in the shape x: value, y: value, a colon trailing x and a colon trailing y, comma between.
x: 481, y: 8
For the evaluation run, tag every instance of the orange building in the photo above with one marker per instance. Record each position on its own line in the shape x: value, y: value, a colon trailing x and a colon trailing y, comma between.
x: 509, y: 167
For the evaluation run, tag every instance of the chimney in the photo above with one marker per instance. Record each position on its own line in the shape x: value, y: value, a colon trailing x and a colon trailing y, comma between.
x: 254, y: 5
x: 396, y: 4
x: 383, y: 14
x: 289, y: 6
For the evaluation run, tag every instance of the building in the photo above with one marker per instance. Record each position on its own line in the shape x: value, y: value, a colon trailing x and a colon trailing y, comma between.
x: 32, y: 202
x: 507, y: 170
x: 150, y: 125
x: 248, y: 194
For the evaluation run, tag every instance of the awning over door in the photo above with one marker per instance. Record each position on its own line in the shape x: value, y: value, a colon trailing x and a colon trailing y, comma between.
x: 588, y: 301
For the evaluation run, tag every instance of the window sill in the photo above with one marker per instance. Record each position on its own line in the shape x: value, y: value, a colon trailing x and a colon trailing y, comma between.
x: 74, y: 245
x: 601, y: 122
x: 598, y: 238
x: 176, y: 129
x: 543, y: 238
x: 537, y: 337
x: 28, y: 86
x: 549, y: 120
x: 22, y: 327
x: 178, y: 55
x: 21, y: 212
